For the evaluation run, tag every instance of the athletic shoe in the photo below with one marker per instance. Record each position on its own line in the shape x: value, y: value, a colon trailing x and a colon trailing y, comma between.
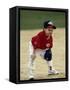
x: 31, y: 79
x: 52, y: 72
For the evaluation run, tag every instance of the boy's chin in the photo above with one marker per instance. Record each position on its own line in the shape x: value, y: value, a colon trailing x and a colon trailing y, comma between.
x: 49, y: 34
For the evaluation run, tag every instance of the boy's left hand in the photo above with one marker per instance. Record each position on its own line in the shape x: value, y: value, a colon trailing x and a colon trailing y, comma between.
x: 47, y: 45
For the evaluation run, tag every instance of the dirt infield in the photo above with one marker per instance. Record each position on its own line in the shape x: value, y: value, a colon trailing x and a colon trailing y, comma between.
x: 41, y: 65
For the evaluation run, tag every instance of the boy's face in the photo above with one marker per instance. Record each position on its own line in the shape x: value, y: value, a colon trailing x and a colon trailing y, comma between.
x: 48, y: 30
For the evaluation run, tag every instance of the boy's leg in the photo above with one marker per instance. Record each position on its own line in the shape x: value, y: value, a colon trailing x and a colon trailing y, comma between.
x: 49, y: 62
x: 31, y: 61
x: 51, y: 70
x: 50, y: 67
x: 47, y: 55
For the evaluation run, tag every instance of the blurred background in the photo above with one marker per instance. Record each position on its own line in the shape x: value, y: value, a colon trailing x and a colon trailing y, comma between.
x: 30, y: 19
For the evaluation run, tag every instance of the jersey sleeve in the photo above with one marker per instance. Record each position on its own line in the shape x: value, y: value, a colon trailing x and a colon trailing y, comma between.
x: 36, y: 41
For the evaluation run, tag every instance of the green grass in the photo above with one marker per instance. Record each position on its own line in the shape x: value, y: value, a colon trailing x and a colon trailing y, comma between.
x: 34, y: 19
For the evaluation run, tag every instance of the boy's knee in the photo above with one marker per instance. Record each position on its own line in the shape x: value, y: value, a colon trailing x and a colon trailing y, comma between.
x: 33, y: 57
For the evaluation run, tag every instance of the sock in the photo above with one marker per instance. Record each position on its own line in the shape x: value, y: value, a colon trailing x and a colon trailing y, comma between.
x: 49, y: 65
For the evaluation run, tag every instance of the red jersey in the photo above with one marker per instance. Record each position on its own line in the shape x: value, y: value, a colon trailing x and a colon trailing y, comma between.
x: 41, y: 40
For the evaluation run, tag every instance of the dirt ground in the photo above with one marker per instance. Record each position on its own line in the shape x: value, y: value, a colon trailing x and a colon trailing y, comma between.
x: 41, y: 71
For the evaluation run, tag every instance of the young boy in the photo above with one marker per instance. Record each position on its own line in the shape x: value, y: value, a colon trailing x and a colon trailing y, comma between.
x: 41, y: 44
